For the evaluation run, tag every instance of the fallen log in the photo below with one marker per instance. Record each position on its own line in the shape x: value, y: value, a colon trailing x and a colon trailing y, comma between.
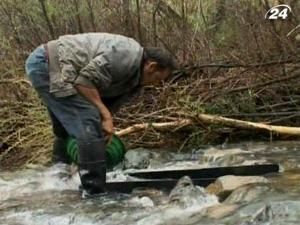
x: 213, y: 120
x: 157, y: 126
x: 223, y: 121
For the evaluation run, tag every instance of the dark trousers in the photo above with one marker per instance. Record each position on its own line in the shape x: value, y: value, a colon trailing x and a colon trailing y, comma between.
x: 71, y: 116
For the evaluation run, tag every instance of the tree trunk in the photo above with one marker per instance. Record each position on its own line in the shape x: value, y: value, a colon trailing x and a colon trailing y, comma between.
x: 79, y: 24
x: 219, y: 16
x: 127, y: 18
x: 154, y: 31
x: 183, y: 29
x: 91, y: 13
x: 139, y: 28
x: 45, y: 13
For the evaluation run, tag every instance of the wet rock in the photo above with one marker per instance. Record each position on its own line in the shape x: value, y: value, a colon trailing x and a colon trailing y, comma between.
x: 138, y: 158
x: 223, y: 186
x: 221, y: 210
x: 154, y: 164
x: 141, y: 158
x: 247, y: 193
x: 184, y: 205
x: 290, y: 179
x: 185, y: 194
x: 275, y: 213
x: 160, y: 159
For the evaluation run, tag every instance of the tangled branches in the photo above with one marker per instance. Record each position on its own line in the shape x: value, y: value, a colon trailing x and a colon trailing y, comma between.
x: 267, y: 94
x: 24, y: 127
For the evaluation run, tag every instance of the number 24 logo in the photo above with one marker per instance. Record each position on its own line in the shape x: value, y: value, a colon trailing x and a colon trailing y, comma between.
x: 278, y: 12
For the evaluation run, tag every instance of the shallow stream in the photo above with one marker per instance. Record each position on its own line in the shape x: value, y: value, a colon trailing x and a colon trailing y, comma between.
x: 50, y: 196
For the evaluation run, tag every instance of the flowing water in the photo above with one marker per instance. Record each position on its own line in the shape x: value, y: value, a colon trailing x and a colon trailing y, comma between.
x: 40, y: 195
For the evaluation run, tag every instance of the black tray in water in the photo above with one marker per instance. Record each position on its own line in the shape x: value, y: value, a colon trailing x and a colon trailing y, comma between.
x: 162, y: 184
x: 251, y: 170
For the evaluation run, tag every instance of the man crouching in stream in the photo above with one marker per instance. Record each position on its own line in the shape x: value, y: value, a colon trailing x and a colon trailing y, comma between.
x: 78, y: 77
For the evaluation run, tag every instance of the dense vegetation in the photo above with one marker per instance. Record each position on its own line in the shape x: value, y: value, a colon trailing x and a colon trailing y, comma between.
x: 232, y: 60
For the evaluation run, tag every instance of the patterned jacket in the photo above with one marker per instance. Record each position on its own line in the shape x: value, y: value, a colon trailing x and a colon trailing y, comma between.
x: 109, y: 62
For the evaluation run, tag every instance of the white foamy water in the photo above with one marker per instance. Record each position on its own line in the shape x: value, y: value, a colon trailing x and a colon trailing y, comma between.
x: 41, y: 193
x: 24, y: 182
x: 50, y: 196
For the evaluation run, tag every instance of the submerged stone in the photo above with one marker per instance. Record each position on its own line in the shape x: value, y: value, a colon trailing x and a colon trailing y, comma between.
x: 185, y: 194
x: 247, y: 193
x: 274, y: 212
x: 221, y: 210
x: 223, y: 186
x: 142, y: 158
x: 138, y: 158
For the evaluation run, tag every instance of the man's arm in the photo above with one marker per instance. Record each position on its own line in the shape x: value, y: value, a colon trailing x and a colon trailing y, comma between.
x: 92, y: 95
x: 95, y: 74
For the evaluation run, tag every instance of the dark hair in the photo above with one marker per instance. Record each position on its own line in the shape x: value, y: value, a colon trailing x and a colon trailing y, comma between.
x: 162, y: 57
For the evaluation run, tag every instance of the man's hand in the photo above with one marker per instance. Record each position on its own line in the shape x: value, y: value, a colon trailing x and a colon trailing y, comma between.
x: 108, y: 128
x: 93, y: 96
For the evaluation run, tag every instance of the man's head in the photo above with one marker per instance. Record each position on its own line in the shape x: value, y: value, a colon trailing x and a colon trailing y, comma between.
x: 158, y: 66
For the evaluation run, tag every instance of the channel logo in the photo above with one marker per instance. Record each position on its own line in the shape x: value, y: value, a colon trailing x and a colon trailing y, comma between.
x: 278, y: 12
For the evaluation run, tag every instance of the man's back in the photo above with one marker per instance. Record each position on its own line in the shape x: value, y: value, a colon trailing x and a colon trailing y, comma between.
x: 108, y: 61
